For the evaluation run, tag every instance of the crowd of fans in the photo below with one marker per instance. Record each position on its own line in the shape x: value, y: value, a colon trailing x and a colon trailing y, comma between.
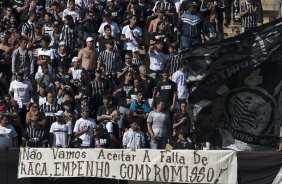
x: 104, y: 74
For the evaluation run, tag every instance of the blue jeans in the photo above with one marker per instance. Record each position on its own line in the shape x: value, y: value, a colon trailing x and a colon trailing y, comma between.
x: 160, y: 143
x: 186, y: 42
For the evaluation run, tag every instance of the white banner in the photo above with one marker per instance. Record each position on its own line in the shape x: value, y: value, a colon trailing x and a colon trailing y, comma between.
x: 186, y: 166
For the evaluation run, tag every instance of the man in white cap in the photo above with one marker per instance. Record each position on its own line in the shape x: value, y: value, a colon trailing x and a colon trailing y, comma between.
x: 88, y: 55
x: 60, y: 131
x: 76, y: 70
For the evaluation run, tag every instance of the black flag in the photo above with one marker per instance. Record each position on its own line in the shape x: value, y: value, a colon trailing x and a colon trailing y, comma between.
x: 236, y: 87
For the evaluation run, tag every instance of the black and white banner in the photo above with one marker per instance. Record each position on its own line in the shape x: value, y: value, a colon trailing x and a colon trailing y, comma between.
x: 236, y: 88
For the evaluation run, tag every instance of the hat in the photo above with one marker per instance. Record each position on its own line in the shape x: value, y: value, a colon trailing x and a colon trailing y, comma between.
x: 89, y: 39
x: 135, y: 49
x: 74, y: 59
x: 84, y: 97
x: 85, y: 109
x: 62, y: 43
x: 115, y: 112
x: 60, y: 113
x: 34, y: 118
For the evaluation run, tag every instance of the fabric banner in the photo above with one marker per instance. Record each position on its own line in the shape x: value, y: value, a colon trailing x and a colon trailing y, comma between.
x: 236, y: 89
x: 142, y: 165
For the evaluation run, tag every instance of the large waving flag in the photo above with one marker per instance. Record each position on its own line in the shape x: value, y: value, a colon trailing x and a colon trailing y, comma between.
x: 236, y: 89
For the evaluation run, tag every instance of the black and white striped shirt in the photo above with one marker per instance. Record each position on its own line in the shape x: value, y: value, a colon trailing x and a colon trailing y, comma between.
x: 28, y: 29
x: 35, y: 137
x: 110, y: 58
x: 249, y: 20
x: 99, y: 88
x: 68, y: 35
x: 49, y: 110
x: 48, y: 29
x: 173, y: 62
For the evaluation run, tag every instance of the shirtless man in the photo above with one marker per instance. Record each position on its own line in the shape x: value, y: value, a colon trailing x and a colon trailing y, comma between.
x: 153, y: 24
x: 6, y: 52
x: 88, y: 56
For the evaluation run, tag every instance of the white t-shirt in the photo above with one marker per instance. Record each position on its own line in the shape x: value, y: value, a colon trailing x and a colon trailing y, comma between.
x: 157, y: 60
x: 132, y: 43
x: 76, y: 73
x: 75, y: 14
x: 61, y: 132
x: 114, y: 26
x: 7, y: 133
x: 21, y: 91
x: 50, y: 53
x: 80, y: 124
x: 180, y: 79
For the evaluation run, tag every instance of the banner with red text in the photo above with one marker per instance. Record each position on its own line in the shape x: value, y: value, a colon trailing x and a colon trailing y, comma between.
x: 186, y: 166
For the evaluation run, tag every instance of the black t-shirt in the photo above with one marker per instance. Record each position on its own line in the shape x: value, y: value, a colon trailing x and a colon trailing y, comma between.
x: 91, y: 26
x: 148, y: 84
x: 166, y: 90
x: 183, y: 127
x: 134, y: 68
x: 103, y: 110
x: 132, y: 93
x: 122, y: 96
x: 182, y: 145
x: 102, y: 42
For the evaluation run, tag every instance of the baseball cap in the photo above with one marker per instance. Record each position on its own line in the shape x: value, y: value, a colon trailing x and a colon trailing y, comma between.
x: 89, y: 39
x: 60, y: 113
x: 62, y: 43
x: 74, y: 59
